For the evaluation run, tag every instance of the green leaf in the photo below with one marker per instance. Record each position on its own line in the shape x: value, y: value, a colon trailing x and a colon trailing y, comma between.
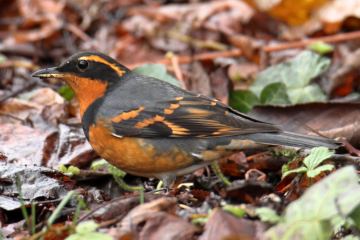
x: 98, y: 163
x: 274, y: 93
x: 316, y: 157
x: 296, y: 170
x: 66, y: 92
x: 321, y: 47
x: 2, y: 58
x: 351, y: 237
x: 73, y: 170
x: 200, y: 220
x: 156, y: 71
x: 243, y: 100
x: 355, y: 215
x: 89, y: 236
x: 339, y: 191
x: 302, y: 230
x: 63, y: 169
x: 309, y: 93
x: 318, y: 170
x: 86, y: 227
x: 116, y: 172
x: 296, y: 74
x: 309, y: 217
x: 236, y: 210
x: 267, y: 215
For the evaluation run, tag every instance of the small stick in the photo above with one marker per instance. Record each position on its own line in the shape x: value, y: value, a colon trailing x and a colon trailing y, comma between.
x: 327, y: 39
x: 188, y: 59
x: 28, y: 87
x: 81, y: 34
x: 178, y: 74
x: 252, y: 157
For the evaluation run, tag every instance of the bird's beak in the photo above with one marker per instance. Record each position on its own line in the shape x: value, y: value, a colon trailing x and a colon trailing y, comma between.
x: 48, y: 72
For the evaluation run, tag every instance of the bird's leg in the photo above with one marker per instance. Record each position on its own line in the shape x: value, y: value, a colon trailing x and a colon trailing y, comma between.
x: 219, y: 174
x: 122, y: 184
x: 168, y: 180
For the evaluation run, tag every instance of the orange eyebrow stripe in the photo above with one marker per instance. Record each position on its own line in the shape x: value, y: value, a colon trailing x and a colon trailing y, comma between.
x: 179, y: 98
x: 126, y: 115
x: 95, y: 58
x: 147, y: 122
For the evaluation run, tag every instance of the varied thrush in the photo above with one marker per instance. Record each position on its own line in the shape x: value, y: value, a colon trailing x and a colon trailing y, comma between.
x: 150, y: 128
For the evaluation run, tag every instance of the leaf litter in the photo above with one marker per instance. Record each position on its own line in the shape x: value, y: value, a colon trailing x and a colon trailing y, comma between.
x: 235, y: 51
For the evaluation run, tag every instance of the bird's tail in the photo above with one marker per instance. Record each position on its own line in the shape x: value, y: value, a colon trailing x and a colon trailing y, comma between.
x: 294, y: 140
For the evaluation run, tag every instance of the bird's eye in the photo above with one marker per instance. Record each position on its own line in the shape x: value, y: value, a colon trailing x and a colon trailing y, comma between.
x: 82, y: 64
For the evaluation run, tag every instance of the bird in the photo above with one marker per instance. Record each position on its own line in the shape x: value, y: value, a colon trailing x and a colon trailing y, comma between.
x: 150, y: 128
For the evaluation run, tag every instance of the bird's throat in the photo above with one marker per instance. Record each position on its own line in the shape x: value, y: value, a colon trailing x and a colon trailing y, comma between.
x: 86, y: 91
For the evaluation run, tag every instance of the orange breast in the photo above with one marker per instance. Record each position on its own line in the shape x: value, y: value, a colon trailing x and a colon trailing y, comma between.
x: 135, y: 155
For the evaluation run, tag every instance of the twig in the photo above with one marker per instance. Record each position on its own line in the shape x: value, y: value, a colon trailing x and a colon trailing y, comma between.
x: 262, y: 176
x: 178, y: 74
x: 198, y: 43
x: 328, y: 39
x: 349, y: 147
x: 111, y: 222
x: 196, y: 57
x: 19, y: 63
x: 252, y: 157
x: 345, y: 158
x: 310, y: 129
x: 12, y: 116
x: 81, y: 34
x: 14, y: 94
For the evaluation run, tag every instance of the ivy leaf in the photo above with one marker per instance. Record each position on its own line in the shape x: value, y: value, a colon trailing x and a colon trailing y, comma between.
x: 243, y: 100
x: 296, y: 75
x: 156, y: 71
x: 274, y: 93
x: 267, y: 215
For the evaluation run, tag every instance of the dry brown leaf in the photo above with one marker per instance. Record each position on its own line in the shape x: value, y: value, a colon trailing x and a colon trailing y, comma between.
x: 328, y: 18
x: 248, y: 191
x: 45, y: 102
x: 329, y: 119
x: 142, y: 213
x: 220, y: 84
x: 224, y: 225
x: 249, y: 46
x: 162, y: 225
x: 43, y: 13
x: 200, y: 81
x: 22, y: 144
x: 121, y: 206
x: 243, y: 72
x: 350, y: 64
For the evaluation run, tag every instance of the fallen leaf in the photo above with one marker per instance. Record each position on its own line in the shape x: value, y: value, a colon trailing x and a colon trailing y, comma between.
x: 163, y: 225
x: 243, y: 191
x: 329, y: 119
x: 200, y: 81
x: 140, y: 214
x: 224, y: 225
x: 36, y: 182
